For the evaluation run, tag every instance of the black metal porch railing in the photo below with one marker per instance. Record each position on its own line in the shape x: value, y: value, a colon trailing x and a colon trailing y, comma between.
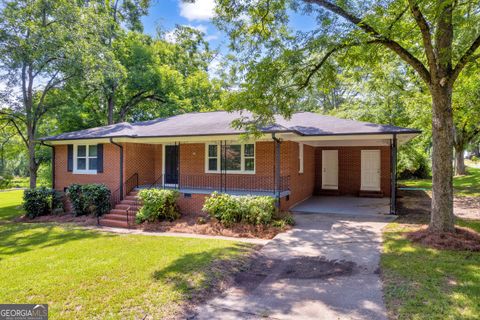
x: 223, y: 183
x: 117, y: 195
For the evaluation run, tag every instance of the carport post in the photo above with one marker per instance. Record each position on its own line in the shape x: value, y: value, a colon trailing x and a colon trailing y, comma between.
x: 393, y: 165
x: 277, y: 169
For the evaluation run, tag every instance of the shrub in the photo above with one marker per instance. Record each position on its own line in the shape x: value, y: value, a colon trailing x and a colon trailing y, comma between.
x: 475, y: 159
x: 230, y: 209
x: 158, y: 204
x: 38, y: 201
x: 89, y: 199
x: 5, y: 181
x: 223, y: 207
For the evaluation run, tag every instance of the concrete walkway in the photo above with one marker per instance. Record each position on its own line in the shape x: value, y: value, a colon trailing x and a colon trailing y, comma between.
x: 327, y: 267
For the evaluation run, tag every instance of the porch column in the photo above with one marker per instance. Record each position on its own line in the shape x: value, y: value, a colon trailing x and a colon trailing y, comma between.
x: 277, y: 169
x: 393, y: 180
x: 121, y: 166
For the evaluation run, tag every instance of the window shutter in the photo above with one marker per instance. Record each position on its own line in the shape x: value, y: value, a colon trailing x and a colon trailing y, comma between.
x: 70, y: 157
x: 99, y: 157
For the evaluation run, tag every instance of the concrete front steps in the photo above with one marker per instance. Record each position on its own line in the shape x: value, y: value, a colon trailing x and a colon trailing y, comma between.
x: 118, y: 217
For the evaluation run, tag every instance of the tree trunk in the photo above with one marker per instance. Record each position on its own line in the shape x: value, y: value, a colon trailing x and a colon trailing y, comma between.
x: 476, y: 150
x: 32, y: 164
x: 110, y: 106
x: 459, y: 161
x: 442, y: 218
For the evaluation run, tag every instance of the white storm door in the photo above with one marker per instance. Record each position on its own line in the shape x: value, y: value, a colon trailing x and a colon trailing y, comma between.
x: 370, y: 170
x: 330, y: 169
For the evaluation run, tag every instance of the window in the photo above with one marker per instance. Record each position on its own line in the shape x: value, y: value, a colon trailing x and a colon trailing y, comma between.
x: 232, y: 158
x: 212, y: 157
x: 85, y: 159
x: 300, y: 157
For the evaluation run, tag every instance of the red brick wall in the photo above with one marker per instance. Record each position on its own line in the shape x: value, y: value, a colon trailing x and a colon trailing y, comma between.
x: 349, y: 169
x: 193, y: 204
x: 146, y: 160
x: 142, y: 159
x: 109, y: 177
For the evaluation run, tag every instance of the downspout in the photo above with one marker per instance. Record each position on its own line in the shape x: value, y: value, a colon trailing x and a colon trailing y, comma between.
x: 53, y: 162
x: 121, y: 166
x: 277, y: 168
x: 393, y: 191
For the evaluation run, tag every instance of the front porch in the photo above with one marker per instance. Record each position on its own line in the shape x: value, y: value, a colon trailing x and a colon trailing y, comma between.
x: 223, y: 183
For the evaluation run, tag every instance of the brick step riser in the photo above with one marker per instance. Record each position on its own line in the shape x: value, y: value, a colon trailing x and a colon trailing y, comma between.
x: 118, y: 217
x: 113, y: 223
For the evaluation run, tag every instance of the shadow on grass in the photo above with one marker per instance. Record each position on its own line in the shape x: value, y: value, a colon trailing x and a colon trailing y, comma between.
x: 22, y: 237
x: 8, y: 214
x: 196, y: 275
x: 428, y: 283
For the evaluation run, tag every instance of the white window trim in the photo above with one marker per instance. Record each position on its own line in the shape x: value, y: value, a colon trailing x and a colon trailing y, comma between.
x: 75, y: 151
x: 300, y: 157
x: 242, y: 165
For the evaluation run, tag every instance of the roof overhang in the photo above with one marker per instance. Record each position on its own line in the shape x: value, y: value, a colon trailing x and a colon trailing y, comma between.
x: 320, y: 140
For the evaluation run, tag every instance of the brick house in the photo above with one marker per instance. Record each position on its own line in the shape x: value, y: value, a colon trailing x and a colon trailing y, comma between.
x: 198, y: 153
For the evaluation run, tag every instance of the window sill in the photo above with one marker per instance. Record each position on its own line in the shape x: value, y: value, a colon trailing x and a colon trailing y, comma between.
x: 85, y: 172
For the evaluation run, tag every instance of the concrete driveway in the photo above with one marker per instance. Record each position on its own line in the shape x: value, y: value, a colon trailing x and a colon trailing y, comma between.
x: 327, y: 267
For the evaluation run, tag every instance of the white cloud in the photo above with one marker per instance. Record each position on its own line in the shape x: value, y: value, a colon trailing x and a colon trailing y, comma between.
x: 197, y: 10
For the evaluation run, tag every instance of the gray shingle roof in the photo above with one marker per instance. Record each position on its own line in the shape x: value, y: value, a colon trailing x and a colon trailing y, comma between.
x: 219, y: 123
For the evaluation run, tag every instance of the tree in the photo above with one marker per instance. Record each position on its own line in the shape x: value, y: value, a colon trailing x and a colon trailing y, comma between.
x: 43, y: 44
x: 466, y: 106
x: 154, y: 78
x: 421, y: 34
x: 121, y: 13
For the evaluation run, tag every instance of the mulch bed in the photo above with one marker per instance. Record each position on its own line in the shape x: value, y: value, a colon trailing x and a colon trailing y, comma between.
x: 190, y: 223
x: 414, y: 209
x: 462, y: 239
x: 202, y: 224
x: 62, y: 218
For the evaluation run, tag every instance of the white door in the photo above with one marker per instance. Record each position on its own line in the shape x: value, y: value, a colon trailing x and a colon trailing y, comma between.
x: 330, y: 169
x: 370, y: 170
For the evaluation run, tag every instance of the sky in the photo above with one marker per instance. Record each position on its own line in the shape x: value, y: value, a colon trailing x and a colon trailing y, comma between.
x: 168, y: 13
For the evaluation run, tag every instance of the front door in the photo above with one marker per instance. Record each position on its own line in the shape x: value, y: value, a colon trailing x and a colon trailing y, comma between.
x: 370, y: 170
x: 330, y: 169
x: 171, y: 164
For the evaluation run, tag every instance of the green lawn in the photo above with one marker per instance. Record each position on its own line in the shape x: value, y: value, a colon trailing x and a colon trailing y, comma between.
x: 422, y: 283
x: 468, y: 185
x: 85, y: 274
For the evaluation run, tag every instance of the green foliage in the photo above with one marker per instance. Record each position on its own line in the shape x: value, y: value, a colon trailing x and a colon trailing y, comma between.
x: 89, y: 199
x: 475, y: 159
x: 413, y: 162
x: 38, y: 201
x: 229, y: 209
x: 5, y: 181
x: 158, y: 204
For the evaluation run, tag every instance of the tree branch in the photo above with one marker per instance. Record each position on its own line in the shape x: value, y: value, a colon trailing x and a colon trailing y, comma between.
x: 467, y: 57
x: 426, y: 35
x: 387, y: 42
x: 317, y: 67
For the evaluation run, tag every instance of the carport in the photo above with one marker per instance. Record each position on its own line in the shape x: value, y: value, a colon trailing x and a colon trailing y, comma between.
x: 344, y: 205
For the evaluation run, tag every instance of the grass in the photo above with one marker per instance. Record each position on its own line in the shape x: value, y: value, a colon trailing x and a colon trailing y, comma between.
x: 86, y: 274
x: 468, y: 185
x: 24, y: 182
x: 423, y: 283
x: 10, y: 204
